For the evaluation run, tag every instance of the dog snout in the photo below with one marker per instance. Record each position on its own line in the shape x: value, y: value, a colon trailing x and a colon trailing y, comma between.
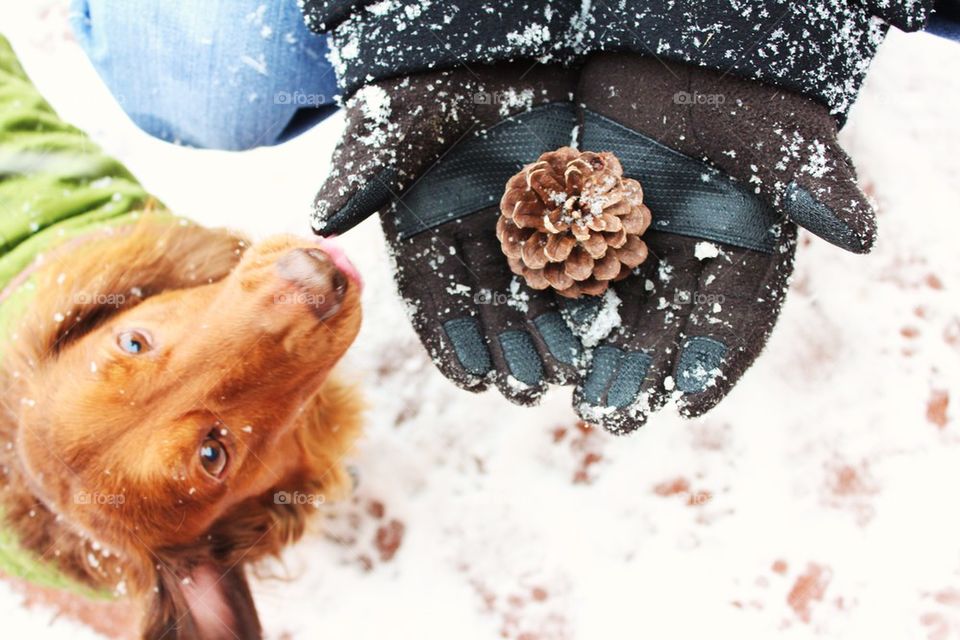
x: 320, y: 284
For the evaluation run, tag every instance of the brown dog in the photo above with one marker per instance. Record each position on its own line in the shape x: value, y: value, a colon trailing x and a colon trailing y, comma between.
x: 172, y: 417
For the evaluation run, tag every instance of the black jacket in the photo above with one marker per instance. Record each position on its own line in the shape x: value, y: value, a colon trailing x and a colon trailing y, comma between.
x: 818, y: 48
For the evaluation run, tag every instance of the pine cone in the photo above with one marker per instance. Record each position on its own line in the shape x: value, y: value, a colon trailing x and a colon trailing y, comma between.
x: 571, y: 221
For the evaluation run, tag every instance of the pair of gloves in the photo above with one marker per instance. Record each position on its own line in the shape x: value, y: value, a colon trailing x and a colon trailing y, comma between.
x: 730, y: 168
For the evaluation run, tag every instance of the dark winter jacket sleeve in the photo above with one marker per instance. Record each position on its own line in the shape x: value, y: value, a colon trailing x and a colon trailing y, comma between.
x: 818, y: 48
x: 324, y: 15
x: 946, y: 21
x: 904, y: 15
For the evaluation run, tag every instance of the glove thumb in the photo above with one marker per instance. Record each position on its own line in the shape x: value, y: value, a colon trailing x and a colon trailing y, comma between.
x: 776, y: 144
x: 363, y: 174
x: 825, y: 199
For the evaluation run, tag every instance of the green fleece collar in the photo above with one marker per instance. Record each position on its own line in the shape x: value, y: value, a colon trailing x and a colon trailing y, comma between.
x: 55, y: 184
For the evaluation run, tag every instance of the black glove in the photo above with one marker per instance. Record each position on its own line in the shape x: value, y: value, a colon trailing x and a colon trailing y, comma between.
x: 727, y: 166
x: 432, y: 154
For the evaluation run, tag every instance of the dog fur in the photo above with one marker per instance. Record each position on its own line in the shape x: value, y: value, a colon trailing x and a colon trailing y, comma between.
x: 236, y: 352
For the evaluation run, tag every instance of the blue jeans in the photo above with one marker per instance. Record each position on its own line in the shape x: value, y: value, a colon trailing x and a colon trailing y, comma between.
x: 945, y: 27
x: 220, y: 74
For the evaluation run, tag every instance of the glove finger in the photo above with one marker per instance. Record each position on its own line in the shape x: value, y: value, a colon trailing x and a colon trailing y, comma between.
x: 785, y: 149
x: 625, y: 379
x: 518, y: 369
x: 529, y: 342
x: 829, y: 203
x: 366, y: 167
x: 735, y: 306
x: 393, y: 131
x: 447, y: 321
x: 332, y: 220
x: 477, y: 333
x: 511, y: 305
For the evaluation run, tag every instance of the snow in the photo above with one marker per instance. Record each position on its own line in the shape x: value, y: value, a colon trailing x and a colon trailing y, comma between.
x: 817, y: 501
x: 259, y: 64
x: 705, y: 250
x: 533, y: 36
x: 374, y: 104
x: 518, y: 298
x: 605, y: 321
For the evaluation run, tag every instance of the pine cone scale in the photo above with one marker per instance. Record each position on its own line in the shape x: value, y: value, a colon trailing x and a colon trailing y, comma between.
x: 579, y: 265
x: 595, y: 245
x: 557, y: 277
x: 617, y: 239
x: 532, y: 252
x: 559, y: 247
x: 608, y: 268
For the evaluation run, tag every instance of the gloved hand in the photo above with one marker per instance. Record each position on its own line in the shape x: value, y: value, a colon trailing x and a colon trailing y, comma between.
x: 467, y: 127
x: 727, y: 166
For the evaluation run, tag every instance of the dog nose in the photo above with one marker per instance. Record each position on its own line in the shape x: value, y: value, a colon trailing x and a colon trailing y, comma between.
x: 320, y: 283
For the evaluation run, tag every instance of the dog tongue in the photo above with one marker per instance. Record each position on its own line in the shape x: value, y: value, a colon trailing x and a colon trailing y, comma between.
x: 340, y: 259
x: 220, y: 603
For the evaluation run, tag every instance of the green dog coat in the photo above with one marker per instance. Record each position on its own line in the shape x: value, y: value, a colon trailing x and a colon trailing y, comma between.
x: 55, y: 184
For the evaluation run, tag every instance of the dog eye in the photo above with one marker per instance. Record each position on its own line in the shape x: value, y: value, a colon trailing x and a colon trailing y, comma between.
x: 134, y: 342
x: 213, y: 457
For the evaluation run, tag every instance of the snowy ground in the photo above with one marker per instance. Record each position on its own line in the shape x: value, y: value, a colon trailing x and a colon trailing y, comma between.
x: 817, y: 501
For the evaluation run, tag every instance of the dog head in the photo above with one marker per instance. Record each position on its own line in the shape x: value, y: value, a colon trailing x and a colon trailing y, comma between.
x: 173, y: 389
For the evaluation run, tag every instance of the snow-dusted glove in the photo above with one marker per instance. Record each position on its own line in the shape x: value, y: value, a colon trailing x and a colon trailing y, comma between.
x: 820, y: 49
x: 432, y: 153
x: 727, y: 166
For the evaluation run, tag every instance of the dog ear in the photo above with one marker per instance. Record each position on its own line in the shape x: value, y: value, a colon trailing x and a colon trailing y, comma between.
x: 108, y: 273
x: 203, y: 602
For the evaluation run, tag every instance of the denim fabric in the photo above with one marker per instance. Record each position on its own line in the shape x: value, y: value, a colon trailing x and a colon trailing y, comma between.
x: 945, y: 27
x: 222, y: 74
